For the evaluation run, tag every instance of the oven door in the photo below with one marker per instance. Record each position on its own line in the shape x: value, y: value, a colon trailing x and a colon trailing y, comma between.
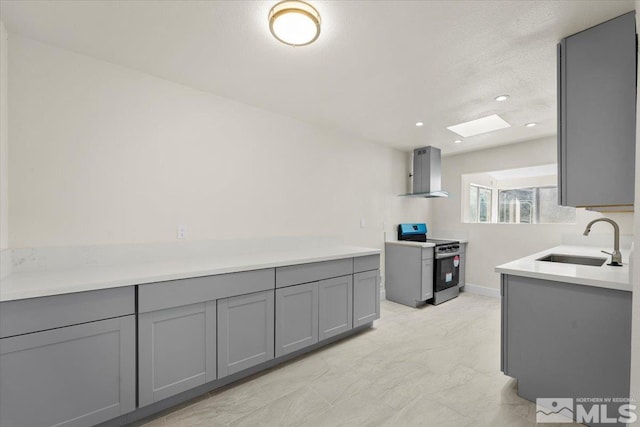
x: 447, y: 271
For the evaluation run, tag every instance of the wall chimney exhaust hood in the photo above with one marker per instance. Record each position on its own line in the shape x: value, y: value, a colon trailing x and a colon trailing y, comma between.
x: 427, y: 173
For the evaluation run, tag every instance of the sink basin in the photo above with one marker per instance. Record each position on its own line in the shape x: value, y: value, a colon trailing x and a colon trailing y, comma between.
x: 574, y: 259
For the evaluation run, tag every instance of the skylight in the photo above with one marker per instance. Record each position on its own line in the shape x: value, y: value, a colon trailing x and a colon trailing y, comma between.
x: 478, y: 126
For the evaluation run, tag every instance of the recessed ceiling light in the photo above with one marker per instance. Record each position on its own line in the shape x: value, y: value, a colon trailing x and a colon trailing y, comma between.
x: 501, y: 98
x: 478, y: 126
x: 419, y: 124
x: 457, y: 141
x: 530, y: 125
x: 294, y: 22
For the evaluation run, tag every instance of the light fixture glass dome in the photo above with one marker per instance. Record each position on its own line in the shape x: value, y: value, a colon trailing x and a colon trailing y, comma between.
x: 294, y: 22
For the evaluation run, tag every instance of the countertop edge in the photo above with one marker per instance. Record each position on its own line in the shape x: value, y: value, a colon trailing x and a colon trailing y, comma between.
x: 62, y: 289
x: 565, y: 279
x: 526, y: 267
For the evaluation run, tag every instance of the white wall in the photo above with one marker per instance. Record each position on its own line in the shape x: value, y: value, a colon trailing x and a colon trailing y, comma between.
x: 635, y: 324
x: 102, y: 154
x: 4, y: 138
x: 494, y: 244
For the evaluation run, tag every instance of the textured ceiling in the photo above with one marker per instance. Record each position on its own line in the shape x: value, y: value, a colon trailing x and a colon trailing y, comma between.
x: 377, y: 68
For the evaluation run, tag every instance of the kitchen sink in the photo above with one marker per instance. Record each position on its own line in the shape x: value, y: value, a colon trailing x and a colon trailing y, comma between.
x: 574, y: 259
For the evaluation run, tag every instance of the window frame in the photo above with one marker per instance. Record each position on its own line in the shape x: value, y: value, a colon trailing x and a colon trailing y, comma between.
x: 479, y: 187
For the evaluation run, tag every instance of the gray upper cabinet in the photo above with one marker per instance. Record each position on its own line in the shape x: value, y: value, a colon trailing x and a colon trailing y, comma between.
x: 296, y: 317
x: 336, y: 306
x: 366, y: 297
x: 596, y: 115
x: 78, y: 375
x: 177, y: 350
x: 245, y: 331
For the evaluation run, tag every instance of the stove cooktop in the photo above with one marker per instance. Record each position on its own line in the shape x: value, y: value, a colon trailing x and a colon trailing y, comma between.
x: 441, y: 242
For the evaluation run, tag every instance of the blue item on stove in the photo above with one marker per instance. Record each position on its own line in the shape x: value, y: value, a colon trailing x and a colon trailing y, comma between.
x: 415, y: 232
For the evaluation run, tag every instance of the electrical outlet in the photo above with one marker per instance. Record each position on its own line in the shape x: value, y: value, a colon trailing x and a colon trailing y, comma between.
x: 181, y: 232
x: 362, y: 223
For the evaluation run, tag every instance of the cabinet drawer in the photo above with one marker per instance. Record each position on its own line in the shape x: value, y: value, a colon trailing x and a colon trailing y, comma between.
x: 311, y: 272
x: 366, y: 263
x: 427, y: 253
x: 175, y: 293
x: 39, y: 314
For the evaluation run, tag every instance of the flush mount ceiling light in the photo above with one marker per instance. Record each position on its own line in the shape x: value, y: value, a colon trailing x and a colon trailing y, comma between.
x: 530, y: 125
x: 478, y: 126
x: 294, y: 22
x: 419, y: 124
x: 501, y: 98
x: 457, y: 141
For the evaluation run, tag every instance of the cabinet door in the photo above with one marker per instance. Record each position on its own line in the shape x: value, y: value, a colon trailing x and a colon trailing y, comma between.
x: 177, y: 350
x: 76, y: 376
x: 296, y: 317
x: 426, y: 283
x: 366, y: 297
x: 245, y: 331
x: 336, y: 309
x: 596, y: 115
x: 461, y: 272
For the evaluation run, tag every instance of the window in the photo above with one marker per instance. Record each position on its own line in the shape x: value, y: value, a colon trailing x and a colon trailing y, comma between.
x: 514, y: 196
x: 538, y: 205
x: 480, y: 203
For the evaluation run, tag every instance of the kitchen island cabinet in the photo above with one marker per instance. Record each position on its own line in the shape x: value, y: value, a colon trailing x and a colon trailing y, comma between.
x: 566, y: 329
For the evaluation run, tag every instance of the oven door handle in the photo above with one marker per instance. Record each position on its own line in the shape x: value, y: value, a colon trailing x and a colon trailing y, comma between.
x: 446, y: 255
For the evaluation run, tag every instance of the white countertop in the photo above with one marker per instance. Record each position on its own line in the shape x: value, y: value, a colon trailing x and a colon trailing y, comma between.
x: 409, y: 243
x: 66, y: 280
x: 423, y: 244
x: 604, y: 277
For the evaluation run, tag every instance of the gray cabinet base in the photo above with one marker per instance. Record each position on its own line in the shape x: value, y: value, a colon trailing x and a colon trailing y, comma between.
x: 566, y: 340
x: 154, y: 408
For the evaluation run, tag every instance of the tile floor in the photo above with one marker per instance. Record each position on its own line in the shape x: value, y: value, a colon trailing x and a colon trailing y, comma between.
x: 434, y: 366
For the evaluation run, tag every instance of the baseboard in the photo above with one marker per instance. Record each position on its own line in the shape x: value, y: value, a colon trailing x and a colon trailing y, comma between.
x: 481, y: 290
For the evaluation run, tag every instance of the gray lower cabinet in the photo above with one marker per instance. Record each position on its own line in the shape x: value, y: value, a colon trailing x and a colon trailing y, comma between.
x: 335, y: 306
x: 78, y: 375
x: 296, y: 317
x: 245, y: 331
x: 426, y: 281
x: 177, y: 350
x: 366, y: 297
x: 463, y: 259
x: 408, y: 274
x: 562, y: 339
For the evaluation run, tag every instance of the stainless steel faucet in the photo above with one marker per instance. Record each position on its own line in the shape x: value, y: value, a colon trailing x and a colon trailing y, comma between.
x: 616, y: 256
